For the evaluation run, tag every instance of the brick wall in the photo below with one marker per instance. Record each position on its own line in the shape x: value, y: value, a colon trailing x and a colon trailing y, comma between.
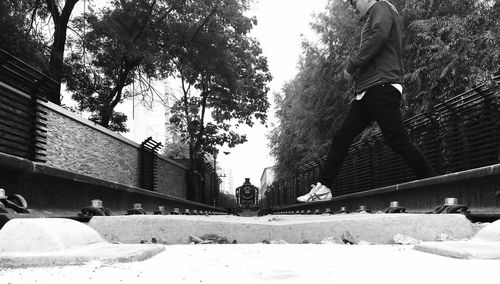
x: 80, y: 146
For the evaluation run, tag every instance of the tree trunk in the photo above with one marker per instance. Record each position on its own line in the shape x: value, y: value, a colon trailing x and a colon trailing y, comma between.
x: 57, y: 50
x: 106, y: 114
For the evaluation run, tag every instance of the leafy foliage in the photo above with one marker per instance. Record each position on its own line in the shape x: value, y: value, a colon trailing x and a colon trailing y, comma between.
x: 448, y: 47
x: 317, y: 97
x: 205, y: 44
x: 20, y: 36
x: 176, y: 150
x: 121, y: 46
x: 24, y: 25
x: 221, y: 70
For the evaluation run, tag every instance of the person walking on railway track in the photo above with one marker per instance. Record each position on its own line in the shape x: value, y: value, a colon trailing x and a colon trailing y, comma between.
x: 377, y: 71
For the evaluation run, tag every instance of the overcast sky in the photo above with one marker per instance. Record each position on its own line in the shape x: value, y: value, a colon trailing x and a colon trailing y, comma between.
x: 279, y: 29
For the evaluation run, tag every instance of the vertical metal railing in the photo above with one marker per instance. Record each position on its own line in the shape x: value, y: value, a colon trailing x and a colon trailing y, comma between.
x: 149, y: 163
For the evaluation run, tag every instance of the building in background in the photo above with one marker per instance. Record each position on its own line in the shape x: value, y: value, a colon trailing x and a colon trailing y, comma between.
x: 266, y: 179
x: 172, y: 134
x: 145, y: 118
x: 226, y: 175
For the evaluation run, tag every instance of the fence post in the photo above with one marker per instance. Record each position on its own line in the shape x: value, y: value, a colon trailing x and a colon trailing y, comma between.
x: 148, y: 163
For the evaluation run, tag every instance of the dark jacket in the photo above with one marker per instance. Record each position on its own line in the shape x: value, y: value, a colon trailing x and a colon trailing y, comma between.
x: 379, y: 58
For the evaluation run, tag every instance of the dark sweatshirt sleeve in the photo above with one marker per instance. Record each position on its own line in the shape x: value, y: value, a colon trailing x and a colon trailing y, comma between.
x: 381, y: 23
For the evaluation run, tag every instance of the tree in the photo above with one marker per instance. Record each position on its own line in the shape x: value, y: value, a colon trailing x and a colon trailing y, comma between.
x: 313, y: 104
x: 221, y: 71
x: 20, y: 36
x: 24, y: 29
x: 449, y: 47
x: 121, y: 46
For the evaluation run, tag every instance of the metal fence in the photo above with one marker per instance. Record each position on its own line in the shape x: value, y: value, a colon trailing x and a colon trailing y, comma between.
x: 149, y: 163
x: 210, y: 184
x: 458, y: 134
x: 22, y: 127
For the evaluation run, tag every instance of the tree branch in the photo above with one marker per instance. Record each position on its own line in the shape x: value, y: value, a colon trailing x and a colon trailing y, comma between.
x: 214, y: 10
x: 146, y: 21
x: 51, y: 6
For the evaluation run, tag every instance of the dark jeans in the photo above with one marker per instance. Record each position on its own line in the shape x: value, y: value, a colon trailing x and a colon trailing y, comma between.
x: 382, y: 105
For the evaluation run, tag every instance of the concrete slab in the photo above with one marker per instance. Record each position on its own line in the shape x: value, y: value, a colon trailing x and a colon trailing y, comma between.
x: 462, y: 249
x: 103, y: 252
x: 484, y: 245
x: 53, y: 241
x: 373, y: 228
x: 273, y: 264
x: 490, y: 233
x: 45, y: 234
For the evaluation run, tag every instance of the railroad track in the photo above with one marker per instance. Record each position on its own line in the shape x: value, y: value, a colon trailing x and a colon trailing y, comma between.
x: 475, y: 193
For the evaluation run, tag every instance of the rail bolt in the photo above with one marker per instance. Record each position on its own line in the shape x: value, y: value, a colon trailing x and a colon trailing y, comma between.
x: 187, y: 212
x: 2, y: 194
x: 450, y: 201
x: 317, y: 211
x: 394, y: 204
x: 343, y: 210
x: 363, y: 209
x: 394, y: 208
x: 136, y: 210
x: 451, y: 206
x: 96, y: 203
x: 328, y: 211
x: 160, y: 210
x: 95, y: 209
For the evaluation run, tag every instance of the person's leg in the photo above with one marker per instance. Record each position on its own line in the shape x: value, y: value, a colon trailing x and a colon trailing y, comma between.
x: 384, y: 106
x: 357, y: 120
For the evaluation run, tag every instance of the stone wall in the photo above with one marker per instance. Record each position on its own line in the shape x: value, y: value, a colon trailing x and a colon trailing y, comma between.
x: 171, y: 179
x: 80, y: 146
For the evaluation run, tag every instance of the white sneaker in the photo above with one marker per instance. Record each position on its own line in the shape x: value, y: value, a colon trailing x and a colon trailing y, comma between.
x: 303, y: 198
x: 317, y: 193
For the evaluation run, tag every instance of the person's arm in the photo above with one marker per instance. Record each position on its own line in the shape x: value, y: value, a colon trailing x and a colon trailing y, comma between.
x: 381, y: 23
